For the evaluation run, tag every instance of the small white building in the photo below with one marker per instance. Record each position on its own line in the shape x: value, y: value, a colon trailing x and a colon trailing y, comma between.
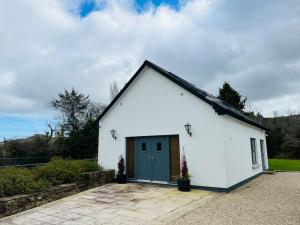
x: 148, y: 123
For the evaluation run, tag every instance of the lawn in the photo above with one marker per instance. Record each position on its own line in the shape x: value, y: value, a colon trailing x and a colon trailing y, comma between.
x: 284, y: 164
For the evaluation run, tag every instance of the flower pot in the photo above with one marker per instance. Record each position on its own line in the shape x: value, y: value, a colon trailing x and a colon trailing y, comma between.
x: 184, y: 184
x: 121, y: 178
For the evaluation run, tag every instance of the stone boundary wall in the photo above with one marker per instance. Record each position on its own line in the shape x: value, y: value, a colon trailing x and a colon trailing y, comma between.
x: 19, y: 203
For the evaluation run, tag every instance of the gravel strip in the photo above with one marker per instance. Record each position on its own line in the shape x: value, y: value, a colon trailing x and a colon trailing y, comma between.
x: 268, y: 199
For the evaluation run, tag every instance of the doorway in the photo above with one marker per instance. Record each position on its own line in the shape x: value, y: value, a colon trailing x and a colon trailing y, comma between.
x: 153, y: 158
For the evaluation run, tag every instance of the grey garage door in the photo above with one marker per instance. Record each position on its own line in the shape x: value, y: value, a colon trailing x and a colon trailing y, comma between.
x: 153, y: 158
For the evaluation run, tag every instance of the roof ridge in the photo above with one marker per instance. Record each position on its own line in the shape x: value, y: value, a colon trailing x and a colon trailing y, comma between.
x: 221, y: 107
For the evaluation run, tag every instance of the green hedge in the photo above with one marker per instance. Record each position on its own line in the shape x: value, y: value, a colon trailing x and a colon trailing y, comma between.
x: 58, y: 171
x: 20, y: 181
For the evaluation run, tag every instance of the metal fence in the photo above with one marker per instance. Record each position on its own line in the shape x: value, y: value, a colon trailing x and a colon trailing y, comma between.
x: 23, y: 161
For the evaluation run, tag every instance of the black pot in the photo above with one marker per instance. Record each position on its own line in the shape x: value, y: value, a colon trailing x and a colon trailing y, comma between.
x: 121, y: 178
x: 184, y: 184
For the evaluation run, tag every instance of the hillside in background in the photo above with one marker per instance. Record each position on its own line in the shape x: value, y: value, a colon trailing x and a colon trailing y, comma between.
x: 283, y: 141
x: 283, y: 136
x: 33, y: 146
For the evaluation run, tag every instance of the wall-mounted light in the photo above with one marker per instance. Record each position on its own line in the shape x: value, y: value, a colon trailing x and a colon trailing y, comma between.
x: 188, y: 128
x: 113, y: 134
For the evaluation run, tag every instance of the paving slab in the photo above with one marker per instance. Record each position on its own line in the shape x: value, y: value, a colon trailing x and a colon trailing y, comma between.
x: 114, y: 204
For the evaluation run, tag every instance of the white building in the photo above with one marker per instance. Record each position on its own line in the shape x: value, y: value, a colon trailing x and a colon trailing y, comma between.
x: 146, y: 123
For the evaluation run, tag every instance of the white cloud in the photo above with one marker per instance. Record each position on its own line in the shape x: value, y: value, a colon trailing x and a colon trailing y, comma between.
x: 7, y: 79
x: 45, y: 48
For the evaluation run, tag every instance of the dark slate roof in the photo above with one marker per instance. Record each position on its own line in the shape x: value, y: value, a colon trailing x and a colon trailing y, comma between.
x: 220, y: 107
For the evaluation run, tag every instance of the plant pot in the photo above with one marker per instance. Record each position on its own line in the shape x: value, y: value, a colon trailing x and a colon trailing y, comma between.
x: 121, y: 178
x: 184, y: 184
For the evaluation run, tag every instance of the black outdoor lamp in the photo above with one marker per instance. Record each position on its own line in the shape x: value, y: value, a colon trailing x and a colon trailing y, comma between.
x: 188, y: 129
x: 113, y: 134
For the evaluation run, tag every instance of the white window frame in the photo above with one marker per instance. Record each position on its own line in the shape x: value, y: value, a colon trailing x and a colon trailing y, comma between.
x: 253, y: 151
x: 263, y: 153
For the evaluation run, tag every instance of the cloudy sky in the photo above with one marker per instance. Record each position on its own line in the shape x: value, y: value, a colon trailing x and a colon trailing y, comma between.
x: 49, y: 45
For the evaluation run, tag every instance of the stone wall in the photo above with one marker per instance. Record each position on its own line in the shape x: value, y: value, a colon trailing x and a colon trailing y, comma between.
x: 19, y: 203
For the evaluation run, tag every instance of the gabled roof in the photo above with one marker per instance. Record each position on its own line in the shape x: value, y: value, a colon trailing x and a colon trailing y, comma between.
x: 220, y: 107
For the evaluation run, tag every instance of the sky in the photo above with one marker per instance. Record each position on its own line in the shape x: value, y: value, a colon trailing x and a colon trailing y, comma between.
x: 87, y: 44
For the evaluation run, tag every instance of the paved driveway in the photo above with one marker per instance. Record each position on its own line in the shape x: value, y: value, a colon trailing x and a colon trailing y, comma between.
x: 269, y: 199
x: 116, y: 204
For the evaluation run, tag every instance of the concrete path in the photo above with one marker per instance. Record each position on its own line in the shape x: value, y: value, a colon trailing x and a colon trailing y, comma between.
x: 116, y: 204
x: 267, y: 200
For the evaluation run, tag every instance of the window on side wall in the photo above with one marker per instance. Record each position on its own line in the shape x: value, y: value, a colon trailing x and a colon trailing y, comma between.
x: 253, y: 151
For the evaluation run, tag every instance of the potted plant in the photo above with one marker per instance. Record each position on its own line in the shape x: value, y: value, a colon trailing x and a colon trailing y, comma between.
x: 183, y: 182
x: 121, y: 177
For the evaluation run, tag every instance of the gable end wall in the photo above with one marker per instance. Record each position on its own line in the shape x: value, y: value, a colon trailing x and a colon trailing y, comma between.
x: 153, y: 105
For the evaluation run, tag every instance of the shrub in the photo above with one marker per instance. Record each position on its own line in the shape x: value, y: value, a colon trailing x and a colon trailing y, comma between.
x: 59, y: 171
x: 20, y: 181
x: 121, y: 165
x: 184, y: 169
x: 88, y: 165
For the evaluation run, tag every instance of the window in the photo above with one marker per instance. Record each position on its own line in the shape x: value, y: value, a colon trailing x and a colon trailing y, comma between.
x: 253, y: 151
x: 144, y: 147
x: 262, y: 147
x: 262, y: 144
x: 158, y: 146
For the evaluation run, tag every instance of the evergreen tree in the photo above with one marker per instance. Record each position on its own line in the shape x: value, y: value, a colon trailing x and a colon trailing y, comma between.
x: 79, y: 135
x: 232, y: 97
x: 72, y: 107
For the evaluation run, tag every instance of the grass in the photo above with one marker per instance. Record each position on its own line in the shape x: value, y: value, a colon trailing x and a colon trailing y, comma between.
x: 284, y: 164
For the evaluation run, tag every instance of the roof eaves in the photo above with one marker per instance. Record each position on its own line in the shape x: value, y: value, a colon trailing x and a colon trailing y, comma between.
x: 219, y: 106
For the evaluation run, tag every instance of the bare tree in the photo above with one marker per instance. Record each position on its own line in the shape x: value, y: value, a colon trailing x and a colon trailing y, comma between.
x: 49, y: 134
x: 95, y: 109
x: 113, y: 90
x: 276, y: 113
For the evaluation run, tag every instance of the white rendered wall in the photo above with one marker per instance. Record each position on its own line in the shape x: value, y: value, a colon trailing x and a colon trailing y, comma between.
x: 154, y: 105
x: 238, y: 150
